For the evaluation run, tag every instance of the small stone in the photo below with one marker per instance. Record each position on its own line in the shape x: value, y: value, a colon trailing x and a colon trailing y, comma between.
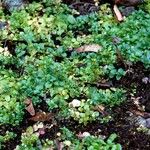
x: 58, y: 134
x: 86, y: 134
x: 141, y: 121
x: 148, y: 123
x: 11, y: 5
x: 128, y: 11
x: 145, y: 80
x: 75, y: 103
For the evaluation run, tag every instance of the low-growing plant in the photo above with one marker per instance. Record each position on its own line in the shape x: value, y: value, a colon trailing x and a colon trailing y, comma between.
x: 84, y: 113
x: 46, y: 66
x: 29, y: 140
x: 5, y: 138
x: 89, y: 142
x: 68, y: 140
x: 11, y: 111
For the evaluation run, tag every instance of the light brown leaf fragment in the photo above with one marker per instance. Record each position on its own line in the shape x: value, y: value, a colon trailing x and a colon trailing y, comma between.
x: 101, y: 109
x: 136, y: 101
x: 118, y: 13
x: 29, y: 107
x: 42, y: 116
x: 89, y: 48
x: 140, y: 113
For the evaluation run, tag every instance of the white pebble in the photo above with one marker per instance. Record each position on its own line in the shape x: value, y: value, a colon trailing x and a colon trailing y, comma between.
x: 86, y: 134
x: 75, y: 103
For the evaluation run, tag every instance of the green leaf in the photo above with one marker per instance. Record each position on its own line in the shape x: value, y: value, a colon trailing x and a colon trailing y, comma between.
x: 71, y: 19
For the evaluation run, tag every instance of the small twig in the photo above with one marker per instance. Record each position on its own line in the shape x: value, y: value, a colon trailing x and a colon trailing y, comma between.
x: 81, y: 3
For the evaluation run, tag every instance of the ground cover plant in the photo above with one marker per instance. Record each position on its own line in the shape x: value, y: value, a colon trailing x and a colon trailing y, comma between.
x: 74, y: 77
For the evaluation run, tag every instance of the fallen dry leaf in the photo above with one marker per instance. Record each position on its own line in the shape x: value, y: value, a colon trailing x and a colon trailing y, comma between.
x: 89, y: 48
x: 101, y: 109
x: 140, y: 113
x: 29, y: 107
x: 42, y: 116
x: 118, y: 13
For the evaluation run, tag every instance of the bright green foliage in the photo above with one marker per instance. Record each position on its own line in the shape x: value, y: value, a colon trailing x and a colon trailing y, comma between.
x: 30, y: 141
x: 10, y: 99
x: 146, y: 5
x: 107, y: 97
x: 90, y: 142
x: 84, y: 113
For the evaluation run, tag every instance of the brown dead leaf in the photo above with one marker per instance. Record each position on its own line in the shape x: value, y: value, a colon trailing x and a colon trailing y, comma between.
x: 140, y: 113
x: 89, y: 48
x: 118, y: 13
x: 29, y: 107
x: 42, y: 116
x: 101, y: 109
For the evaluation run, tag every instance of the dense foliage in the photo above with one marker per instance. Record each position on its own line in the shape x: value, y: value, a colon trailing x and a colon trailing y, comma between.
x: 38, y: 60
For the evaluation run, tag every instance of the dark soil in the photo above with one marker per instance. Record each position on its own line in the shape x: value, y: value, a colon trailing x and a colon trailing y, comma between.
x: 82, y: 6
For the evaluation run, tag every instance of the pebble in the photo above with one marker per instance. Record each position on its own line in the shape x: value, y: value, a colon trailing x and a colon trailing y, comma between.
x: 86, y: 134
x: 148, y: 123
x: 11, y: 5
x: 145, y: 80
x: 75, y: 103
x: 141, y: 121
x: 128, y: 11
x: 3, y: 25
